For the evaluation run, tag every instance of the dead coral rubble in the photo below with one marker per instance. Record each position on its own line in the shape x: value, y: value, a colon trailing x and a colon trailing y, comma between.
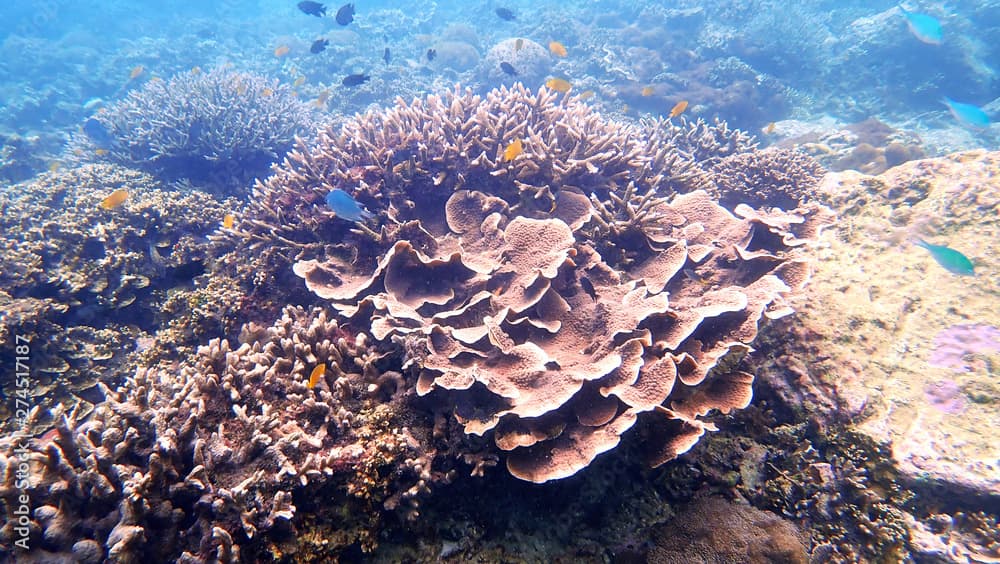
x: 558, y: 295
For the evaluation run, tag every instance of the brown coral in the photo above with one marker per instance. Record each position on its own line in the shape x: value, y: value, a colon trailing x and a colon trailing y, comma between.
x: 774, y: 178
x: 556, y: 296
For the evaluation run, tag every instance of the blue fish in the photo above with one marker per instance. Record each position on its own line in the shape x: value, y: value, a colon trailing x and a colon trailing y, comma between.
x: 924, y: 27
x: 98, y: 133
x: 345, y: 206
x: 967, y: 114
x: 952, y: 260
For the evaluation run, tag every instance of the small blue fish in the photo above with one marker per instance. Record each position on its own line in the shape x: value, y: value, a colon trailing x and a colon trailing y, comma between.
x: 924, y: 27
x: 967, y: 114
x: 952, y: 260
x: 345, y: 206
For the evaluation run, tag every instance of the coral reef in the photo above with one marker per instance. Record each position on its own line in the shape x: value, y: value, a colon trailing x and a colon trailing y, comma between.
x: 196, y: 463
x: 219, y: 128
x: 772, y: 178
x: 528, y: 334
x: 81, y: 282
x: 860, y: 363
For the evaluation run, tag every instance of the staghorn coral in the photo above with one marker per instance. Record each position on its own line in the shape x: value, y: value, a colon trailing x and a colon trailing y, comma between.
x: 773, y: 177
x: 207, y: 462
x: 705, y: 143
x: 523, y: 333
x: 219, y: 128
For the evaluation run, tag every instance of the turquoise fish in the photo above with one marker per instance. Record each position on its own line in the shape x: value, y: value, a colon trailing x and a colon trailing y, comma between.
x: 952, y: 260
x: 967, y: 113
x: 924, y: 27
x: 345, y: 206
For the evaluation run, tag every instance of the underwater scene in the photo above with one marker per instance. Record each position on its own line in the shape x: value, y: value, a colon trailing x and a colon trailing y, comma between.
x: 602, y: 281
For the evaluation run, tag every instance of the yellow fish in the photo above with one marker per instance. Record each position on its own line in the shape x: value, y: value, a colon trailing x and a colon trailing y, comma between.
x: 317, y: 373
x: 100, y: 152
x: 513, y: 150
x: 266, y: 92
x: 299, y: 81
x: 54, y: 166
x: 586, y: 95
x: 647, y: 91
x: 678, y: 108
x: 769, y: 128
x: 136, y: 72
x: 518, y: 44
x: 559, y: 85
x: 196, y: 70
x: 228, y: 220
x: 557, y: 49
x: 115, y: 199
x: 281, y: 51
x: 322, y: 98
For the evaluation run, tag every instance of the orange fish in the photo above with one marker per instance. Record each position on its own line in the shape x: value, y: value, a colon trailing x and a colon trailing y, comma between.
x: 281, y: 51
x: 266, y: 92
x: 228, y: 220
x: 115, y: 199
x: 678, y: 108
x: 136, y: 71
x: 559, y: 85
x: 299, y: 81
x: 317, y: 373
x: 513, y: 150
x: 647, y: 91
x: 769, y: 128
x: 557, y: 49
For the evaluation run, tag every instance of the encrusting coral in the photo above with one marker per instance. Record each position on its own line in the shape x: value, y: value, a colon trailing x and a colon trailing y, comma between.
x: 219, y: 128
x: 503, y: 284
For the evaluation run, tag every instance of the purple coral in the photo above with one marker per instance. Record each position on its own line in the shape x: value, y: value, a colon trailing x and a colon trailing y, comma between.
x: 953, y: 344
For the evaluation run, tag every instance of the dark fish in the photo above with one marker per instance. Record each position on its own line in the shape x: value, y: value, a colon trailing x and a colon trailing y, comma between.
x: 345, y: 14
x: 508, y: 68
x: 588, y: 287
x: 355, y: 79
x: 386, y: 55
x: 318, y: 46
x: 312, y: 8
x: 98, y: 133
x: 431, y: 53
x: 505, y: 14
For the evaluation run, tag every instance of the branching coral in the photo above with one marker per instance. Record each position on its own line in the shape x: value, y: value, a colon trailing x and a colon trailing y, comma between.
x: 774, y: 178
x: 217, y: 449
x: 220, y: 128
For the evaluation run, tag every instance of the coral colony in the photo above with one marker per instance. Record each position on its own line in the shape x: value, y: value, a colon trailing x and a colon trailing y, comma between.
x: 547, y: 300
